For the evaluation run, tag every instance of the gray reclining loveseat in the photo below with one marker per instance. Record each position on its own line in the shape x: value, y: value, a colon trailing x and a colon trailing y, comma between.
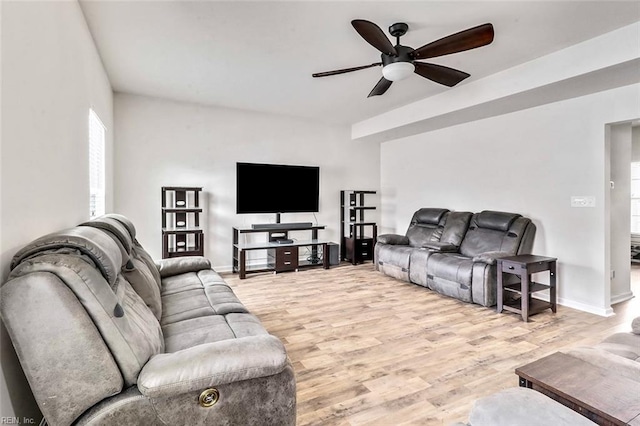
x: 455, y: 253
x: 106, y: 336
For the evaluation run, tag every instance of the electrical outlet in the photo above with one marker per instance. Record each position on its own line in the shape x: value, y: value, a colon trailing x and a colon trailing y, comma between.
x: 613, y: 274
x: 583, y: 201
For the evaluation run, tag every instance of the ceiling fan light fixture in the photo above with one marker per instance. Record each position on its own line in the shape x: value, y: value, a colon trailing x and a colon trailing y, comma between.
x: 398, y: 70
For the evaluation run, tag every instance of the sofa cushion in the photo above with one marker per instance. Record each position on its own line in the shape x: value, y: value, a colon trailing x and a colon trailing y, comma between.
x: 125, y: 222
x: 480, y: 239
x: 114, y: 229
x: 499, y: 221
x: 450, y: 274
x: 452, y: 267
x: 135, y: 270
x: 137, y: 251
x: 191, y: 281
x: 208, y: 329
x: 181, y: 265
x: 63, y: 355
x: 126, y: 324
x: 419, y: 234
x: 141, y: 254
x: 197, y: 294
x: 429, y: 216
x: 92, y: 243
x: 426, y: 225
x: 142, y: 281
x: 455, y: 227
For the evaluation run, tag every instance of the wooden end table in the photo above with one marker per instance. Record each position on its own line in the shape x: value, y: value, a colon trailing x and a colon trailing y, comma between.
x: 602, y: 396
x: 523, y: 265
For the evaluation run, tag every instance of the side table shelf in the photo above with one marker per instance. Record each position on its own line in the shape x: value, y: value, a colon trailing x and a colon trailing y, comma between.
x: 517, y: 297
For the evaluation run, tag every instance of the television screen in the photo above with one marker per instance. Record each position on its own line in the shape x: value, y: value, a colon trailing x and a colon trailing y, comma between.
x: 276, y: 188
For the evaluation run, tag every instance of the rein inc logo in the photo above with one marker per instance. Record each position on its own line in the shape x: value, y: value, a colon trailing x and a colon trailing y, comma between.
x: 17, y: 421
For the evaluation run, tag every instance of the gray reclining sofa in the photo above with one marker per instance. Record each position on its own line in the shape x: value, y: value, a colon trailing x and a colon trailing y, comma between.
x: 455, y: 253
x: 107, y: 336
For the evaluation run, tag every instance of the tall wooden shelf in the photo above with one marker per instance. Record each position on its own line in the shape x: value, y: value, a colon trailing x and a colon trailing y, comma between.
x: 357, y: 235
x: 181, y: 232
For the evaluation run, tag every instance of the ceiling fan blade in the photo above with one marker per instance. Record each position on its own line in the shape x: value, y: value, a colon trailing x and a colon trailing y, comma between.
x: 344, y: 70
x: 458, y: 42
x: 440, y: 74
x: 374, y: 36
x: 380, y: 87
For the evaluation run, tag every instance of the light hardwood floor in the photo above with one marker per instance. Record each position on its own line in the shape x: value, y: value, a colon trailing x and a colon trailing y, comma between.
x: 371, y: 350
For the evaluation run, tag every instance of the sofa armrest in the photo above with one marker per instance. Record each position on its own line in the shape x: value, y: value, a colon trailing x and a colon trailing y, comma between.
x: 181, y: 265
x: 211, y: 364
x: 490, y: 257
x: 635, y: 326
x: 393, y: 239
x: 441, y: 246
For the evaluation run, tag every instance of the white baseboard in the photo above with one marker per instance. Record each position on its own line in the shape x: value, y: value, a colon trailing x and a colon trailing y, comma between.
x: 622, y: 297
x: 223, y: 269
x: 603, y: 312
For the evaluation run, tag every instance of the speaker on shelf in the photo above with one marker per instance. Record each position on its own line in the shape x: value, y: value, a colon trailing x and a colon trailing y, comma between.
x: 334, y: 253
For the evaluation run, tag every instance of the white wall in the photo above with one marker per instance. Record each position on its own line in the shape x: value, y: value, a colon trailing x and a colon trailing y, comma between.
x: 530, y: 162
x: 635, y: 141
x: 51, y: 76
x: 161, y: 143
x: 619, y: 145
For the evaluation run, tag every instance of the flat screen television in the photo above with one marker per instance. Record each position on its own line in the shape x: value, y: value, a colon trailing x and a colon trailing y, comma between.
x: 276, y: 188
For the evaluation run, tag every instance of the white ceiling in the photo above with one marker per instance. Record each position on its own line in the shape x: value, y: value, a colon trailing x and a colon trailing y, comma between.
x: 260, y: 55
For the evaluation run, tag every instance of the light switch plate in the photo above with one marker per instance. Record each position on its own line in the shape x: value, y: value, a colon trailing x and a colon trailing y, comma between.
x: 583, y: 201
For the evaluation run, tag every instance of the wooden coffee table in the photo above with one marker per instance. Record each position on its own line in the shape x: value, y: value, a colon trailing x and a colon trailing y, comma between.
x: 598, y: 394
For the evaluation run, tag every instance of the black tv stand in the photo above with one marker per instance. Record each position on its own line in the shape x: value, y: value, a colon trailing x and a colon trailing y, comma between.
x: 283, y: 226
x: 282, y: 256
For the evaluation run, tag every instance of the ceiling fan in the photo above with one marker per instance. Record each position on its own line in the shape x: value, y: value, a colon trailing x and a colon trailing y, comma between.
x: 398, y: 62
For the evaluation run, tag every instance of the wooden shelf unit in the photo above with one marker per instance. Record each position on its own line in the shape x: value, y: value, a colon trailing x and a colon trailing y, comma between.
x: 181, y: 231
x: 356, y: 245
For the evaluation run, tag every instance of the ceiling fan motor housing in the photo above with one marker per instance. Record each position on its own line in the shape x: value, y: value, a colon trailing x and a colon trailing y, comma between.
x: 404, y: 55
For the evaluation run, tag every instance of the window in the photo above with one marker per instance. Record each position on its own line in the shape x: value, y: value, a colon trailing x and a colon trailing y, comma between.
x: 96, y: 165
